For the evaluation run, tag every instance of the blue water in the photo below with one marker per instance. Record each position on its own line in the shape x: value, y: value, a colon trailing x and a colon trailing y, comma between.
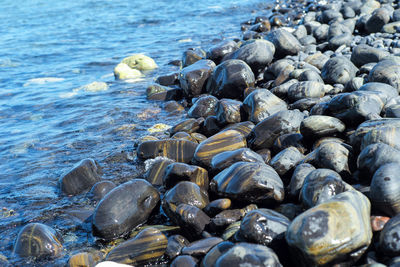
x: 48, y: 51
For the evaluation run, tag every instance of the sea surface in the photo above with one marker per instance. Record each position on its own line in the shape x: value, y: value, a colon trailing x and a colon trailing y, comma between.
x: 49, y: 120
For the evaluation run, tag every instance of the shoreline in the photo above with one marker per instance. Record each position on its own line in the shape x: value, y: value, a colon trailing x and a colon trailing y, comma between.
x: 282, y: 126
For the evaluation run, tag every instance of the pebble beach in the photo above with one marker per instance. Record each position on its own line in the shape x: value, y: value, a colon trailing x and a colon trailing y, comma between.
x: 277, y: 145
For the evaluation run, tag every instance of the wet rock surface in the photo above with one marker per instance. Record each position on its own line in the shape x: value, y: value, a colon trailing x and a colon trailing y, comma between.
x: 290, y: 144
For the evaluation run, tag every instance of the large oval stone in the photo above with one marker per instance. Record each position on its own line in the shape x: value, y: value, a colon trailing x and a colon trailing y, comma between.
x: 249, y: 181
x: 230, y: 78
x: 81, y: 177
x: 311, y: 89
x: 261, y: 104
x: 220, y: 142
x: 148, y: 245
x: 389, y: 237
x: 338, y: 230
x: 125, y: 207
x: 175, y: 149
x: 265, y: 132
x: 38, y: 240
x: 363, y: 54
x: 193, y: 78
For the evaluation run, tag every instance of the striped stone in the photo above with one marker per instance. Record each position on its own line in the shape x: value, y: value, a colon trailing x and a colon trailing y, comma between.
x: 148, y: 245
x: 175, y: 149
x: 220, y: 142
x: 249, y: 181
x: 178, y: 172
x: 81, y: 259
x: 155, y: 172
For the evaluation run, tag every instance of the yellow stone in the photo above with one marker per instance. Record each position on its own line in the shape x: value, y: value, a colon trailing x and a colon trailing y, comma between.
x: 122, y: 72
x: 140, y: 62
x: 159, y: 127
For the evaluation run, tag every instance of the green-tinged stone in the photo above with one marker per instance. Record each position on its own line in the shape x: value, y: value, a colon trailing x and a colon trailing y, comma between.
x: 336, y: 231
x: 140, y: 62
x: 123, y: 72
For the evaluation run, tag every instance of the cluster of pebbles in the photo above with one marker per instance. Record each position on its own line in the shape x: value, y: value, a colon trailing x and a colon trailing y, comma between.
x: 289, y: 155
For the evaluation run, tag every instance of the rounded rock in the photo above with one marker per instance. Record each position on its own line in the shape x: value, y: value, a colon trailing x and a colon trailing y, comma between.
x: 38, y: 240
x: 110, y: 220
x: 261, y: 104
x: 385, y: 186
x: 100, y: 189
x: 251, y: 182
x: 175, y: 149
x: 148, y: 245
x: 230, y: 78
x: 285, y: 43
x: 320, y: 125
x: 338, y: 70
x: 193, y: 78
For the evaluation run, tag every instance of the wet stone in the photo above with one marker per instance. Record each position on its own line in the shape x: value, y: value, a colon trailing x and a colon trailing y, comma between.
x: 282, y: 89
x: 183, y: 136
x: 363, y: 54
x: 336, y: 231
x: 178, y: 150
x: 175, y: 245
x: 204, y: 107
x: 379, y: 18
x: 155, y: 170
x: 256, y: 53
x: 338, y: 70
x: 217, y: 206
x: 217, y: 52
x: 285, y: 43
x: 353, y: 108
x: 200, y: 247
x: 81, y: 259
x: 318, y: 60
x: 148, y: 245
x: 111, y: 220
x: 310, y: 75
x: 226, y: 217
x: 184, y: 193
x: 169, y: 79
x: 391, y: 27
x: 320, y: 186
x: 289, y: 140
x: 250, y: 182
x: 244, y: 127
x: 212, y: 256
x: 189, y: 126
x: 100, y: 189
x: 184, y: 261
x: 389, y: 237
x: 247, y: 254
x: 386, y: 71
x: 286, y: 160
x: 192, y: 219
x: 262, y: 226
x: 228, y: 111
x: 81, y: 177
x: 265, y: 132
x: 389, y: 135
x: 385, y: 91
x: 231, y: 230
x: 230, y: 78
x: 225, y: 159
x: 192, y: 55
x: 177, y: 172
x: 376, y: 155
x: 300, y: 90
x: 193, y: 78
x: 334, y: 156
x: 384, y: 189
x: 38, y: 240
x: 261, y: 104
x: 220, y: 142
x: 318, y: 126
